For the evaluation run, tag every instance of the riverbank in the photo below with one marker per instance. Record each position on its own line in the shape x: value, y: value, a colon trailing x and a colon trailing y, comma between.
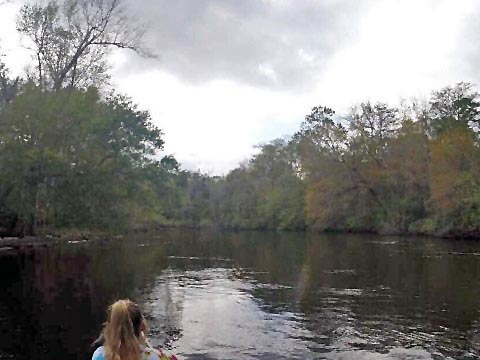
x: 64, y: 236
x: 49, y: 236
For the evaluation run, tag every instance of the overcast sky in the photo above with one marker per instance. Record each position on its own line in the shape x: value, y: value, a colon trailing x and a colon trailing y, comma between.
x: 231, y: 74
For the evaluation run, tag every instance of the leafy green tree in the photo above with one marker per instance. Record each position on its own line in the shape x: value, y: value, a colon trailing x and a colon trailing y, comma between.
x: 69, y: 158
x: 278, y: 184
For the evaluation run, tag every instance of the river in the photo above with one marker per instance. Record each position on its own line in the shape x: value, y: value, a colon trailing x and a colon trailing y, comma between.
x: 248, y: 295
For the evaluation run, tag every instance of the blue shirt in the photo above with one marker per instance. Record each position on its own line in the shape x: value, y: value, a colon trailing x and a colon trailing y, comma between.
x: 147, y: 354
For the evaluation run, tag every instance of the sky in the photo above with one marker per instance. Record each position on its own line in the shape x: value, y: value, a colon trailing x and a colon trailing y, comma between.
x: 232, y: 74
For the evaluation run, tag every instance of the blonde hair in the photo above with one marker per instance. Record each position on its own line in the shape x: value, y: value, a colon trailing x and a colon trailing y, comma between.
x: 122, y: 331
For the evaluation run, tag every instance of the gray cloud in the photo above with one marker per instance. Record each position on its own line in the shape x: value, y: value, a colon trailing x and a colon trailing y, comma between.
x: 467, y: 49
x: 274, y: 43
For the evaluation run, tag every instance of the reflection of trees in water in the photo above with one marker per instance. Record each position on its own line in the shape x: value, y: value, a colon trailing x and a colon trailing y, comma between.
x: 47, y: 298
x: 391, y: 293
x: 387, y: 290
x: 56, y: 297
x: 164, y: 307
x: 301, y: 286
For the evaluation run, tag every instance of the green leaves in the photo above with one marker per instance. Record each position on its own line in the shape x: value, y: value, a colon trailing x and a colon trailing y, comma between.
x: 71, y: 157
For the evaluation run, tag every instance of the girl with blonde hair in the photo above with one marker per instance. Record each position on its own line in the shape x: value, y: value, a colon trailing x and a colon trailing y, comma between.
x: 123, y: 336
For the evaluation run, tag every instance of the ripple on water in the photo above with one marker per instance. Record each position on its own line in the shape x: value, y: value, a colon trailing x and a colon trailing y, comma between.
x: 325, y: 298
x: 221, y: 320
x: 212, y: 315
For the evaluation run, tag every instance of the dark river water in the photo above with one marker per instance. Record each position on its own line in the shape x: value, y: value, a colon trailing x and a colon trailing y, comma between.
x: 249, y: 295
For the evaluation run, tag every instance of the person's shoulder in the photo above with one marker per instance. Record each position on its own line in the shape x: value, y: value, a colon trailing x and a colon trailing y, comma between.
x: 99, y: 354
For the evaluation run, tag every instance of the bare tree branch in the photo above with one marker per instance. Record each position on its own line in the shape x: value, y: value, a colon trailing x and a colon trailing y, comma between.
x: 72, y: 39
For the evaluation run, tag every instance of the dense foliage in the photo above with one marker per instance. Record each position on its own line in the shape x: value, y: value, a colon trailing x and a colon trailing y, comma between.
x: 73, y: 157
x: 414, y: 169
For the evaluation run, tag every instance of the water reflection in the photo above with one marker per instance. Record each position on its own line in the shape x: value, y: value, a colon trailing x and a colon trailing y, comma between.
x: 249, y: 296
x: 220, y: 319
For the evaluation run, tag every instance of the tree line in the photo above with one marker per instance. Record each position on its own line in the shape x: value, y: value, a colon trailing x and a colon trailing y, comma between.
x: 76, y: 154
x: 412, y: 169
x: 408, y: 169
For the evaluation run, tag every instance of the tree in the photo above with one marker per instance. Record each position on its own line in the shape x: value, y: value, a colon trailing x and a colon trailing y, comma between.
x: 323, y: 134
x: 75, y: 162
x: 197, y: 208
x: 337, y: 170
x: 278, y: 185
x: 71, y: 39
x: 405, y: 183
x: 371, y: 126
x: 454, y: 181
x: 454, y: 107
x: 8, y: 86
x: 236, y: 201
